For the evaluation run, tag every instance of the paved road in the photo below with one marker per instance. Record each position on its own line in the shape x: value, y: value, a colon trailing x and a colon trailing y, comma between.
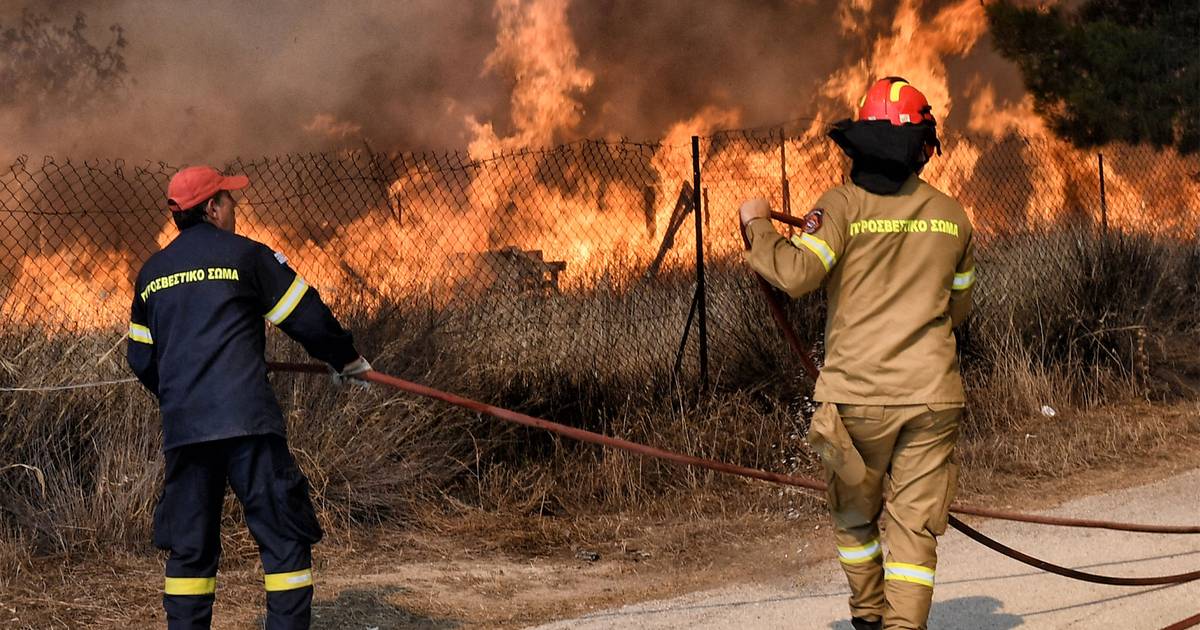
x: 977, y: 588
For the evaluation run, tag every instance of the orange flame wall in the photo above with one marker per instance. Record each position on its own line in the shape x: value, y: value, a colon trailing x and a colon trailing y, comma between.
x: 360, y: 225
x: 367, y: 227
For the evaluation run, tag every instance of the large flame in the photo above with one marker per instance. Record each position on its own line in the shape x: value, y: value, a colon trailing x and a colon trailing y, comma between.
x: 535, y: 47
x: 918, y: 49
x: 615, y: 213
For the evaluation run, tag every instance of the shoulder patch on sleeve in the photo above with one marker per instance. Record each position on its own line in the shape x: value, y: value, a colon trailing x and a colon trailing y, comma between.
x: 281, y: 258
x: 812, y: 221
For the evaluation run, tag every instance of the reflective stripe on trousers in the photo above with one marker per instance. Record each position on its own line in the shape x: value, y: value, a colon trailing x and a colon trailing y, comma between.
x: 860, y: 554
x: 905, y: 572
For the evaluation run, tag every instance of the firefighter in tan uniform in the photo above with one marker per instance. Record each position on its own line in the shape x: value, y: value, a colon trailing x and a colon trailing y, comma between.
x: 895, y: 257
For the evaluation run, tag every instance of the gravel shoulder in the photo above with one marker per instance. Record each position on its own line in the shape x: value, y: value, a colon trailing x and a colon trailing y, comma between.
x: 978, y: 588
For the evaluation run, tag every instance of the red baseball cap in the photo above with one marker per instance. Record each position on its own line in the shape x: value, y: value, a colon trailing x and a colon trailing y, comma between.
x: 194, y: 184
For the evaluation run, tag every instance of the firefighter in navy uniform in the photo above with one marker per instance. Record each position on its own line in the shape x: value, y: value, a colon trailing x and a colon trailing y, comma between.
x: 895, y: 257
x: 196, y: 340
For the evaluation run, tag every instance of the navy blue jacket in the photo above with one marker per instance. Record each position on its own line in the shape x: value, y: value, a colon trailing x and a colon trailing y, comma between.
x: 197, y: 337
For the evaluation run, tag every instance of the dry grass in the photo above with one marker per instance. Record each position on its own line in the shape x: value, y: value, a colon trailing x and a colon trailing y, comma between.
x: 1084, y: 338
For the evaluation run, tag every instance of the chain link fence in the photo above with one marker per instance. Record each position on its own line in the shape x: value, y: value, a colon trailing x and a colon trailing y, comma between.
x: 1033, y: 202
x: 580, y: 256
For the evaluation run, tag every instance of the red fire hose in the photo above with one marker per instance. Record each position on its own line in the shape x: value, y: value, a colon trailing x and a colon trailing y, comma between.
x: 1190, y: 622
x: 801, y: 482
x: 804, y: 482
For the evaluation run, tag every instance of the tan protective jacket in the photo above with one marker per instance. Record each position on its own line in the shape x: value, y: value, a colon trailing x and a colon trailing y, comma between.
x: 898, y: 271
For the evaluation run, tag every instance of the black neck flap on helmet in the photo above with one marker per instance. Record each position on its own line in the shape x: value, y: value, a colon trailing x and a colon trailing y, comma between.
x: 884, y: 155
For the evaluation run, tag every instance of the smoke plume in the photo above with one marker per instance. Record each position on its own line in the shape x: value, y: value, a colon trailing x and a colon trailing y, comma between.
x: 218, y: 79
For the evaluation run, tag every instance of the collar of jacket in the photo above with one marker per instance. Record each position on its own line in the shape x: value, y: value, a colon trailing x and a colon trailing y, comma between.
x: 196, y: 225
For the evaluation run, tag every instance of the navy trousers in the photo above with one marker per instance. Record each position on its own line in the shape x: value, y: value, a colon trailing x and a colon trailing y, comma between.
x: 275, y: 498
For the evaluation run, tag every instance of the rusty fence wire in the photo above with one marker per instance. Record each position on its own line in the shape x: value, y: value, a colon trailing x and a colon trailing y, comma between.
x: 579, y: 257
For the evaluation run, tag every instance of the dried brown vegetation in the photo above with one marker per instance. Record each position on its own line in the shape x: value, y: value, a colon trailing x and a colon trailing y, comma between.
x: 1113, y: 325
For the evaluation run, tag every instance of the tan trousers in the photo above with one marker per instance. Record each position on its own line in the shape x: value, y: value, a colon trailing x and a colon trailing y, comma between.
x: 909, y: 448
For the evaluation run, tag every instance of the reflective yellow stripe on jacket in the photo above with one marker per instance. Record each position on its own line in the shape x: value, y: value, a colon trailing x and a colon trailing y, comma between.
x: 288, y: 581
x: 288, y: 302
x: 964, y: 280
x: 140, y: 333
x: 818, y: 247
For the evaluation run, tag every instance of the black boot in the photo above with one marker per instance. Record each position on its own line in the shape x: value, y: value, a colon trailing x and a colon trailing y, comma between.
x: 862, y: 624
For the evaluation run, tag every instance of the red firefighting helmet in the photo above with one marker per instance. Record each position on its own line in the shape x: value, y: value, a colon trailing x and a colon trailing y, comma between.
x: 194, y: 184
x: 893, y: 99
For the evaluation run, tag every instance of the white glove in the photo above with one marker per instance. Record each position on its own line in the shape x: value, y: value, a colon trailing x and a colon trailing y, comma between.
x: 352, y: 373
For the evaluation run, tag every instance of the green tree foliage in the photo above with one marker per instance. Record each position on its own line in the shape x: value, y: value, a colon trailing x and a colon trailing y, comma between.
x: 1109, y: 70
x: 44, y: 65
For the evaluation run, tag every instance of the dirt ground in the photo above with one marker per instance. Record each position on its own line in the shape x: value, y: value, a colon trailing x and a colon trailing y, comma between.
x: 502, y: 573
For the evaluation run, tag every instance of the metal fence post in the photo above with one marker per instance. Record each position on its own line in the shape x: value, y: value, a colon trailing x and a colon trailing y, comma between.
x: 784, y: 185
x: 700, y: 287
x: 1103, y: 199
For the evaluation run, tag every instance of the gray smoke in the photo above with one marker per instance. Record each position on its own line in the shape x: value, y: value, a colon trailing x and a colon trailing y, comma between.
x: 222, y: 78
